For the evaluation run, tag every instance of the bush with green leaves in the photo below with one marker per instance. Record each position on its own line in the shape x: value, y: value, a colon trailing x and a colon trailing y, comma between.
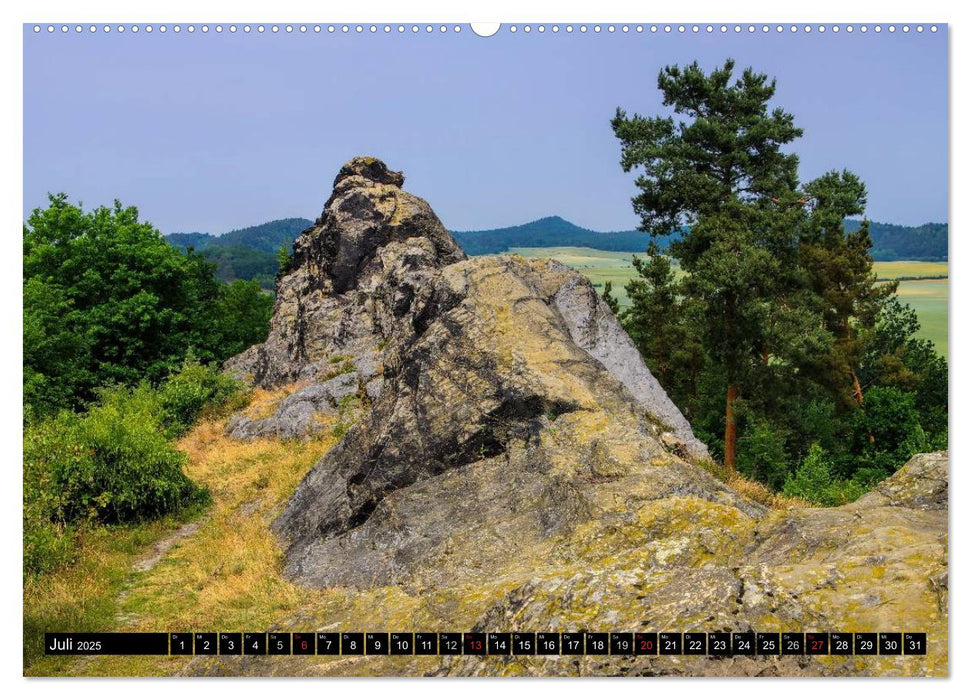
x: 887, y: 432
x: 763, y: 454
x: 108, y: 301
x: 112, y: 464
x: 47, y: 543
x: 814, y: 481
x: 117, y: 462
x: 192, y: 390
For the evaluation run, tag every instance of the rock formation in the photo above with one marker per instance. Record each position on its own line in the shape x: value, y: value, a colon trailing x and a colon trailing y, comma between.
x: 517, y: 467
x: 350, y: 277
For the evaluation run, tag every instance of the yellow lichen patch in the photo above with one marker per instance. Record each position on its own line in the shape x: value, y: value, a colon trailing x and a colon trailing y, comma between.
x: 677, y: 531
x: 592, y: 440
x: 388, y: 200
x: 519, y: 326
x: 718, y: 531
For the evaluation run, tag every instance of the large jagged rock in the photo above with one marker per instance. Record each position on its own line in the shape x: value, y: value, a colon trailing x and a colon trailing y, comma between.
x: 491, y: 414
x: 350, y: 275
x: 520, y: 469
x: 484, y: 364
x: 366, y: 274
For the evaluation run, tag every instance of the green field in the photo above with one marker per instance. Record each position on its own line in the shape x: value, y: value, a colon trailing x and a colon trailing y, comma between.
x: 927, y: 296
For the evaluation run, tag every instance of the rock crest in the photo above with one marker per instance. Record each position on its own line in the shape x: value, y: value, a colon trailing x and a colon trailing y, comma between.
x: 351, y: 276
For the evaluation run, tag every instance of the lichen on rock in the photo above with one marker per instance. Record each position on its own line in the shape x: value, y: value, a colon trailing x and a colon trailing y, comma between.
x: 517, y: 466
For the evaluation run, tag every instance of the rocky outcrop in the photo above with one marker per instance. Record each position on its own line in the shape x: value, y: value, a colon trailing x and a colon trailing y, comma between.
x: 517, y: 467
x: 674, y: 555
x: 492, y: 413
x: 350, y: 275
x: 503, y: 380
x: 298, y: 414
x: 879, y: 564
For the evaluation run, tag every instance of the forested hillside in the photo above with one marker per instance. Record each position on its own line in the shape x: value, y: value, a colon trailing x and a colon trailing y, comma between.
x: 248, y: 253
x: 893, y: 242
x: 890, y: 241
x: 252, y: 253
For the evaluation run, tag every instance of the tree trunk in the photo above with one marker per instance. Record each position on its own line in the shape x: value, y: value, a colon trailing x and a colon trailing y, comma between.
x: 857, y: 389
x: 731, y: 433
x: 858, y: 395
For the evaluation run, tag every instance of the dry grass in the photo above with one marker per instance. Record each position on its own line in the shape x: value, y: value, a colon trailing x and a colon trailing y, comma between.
x: 896, y: 269
x: 225, y: 576
x: 263, y: 402
x: 82, y: 597
x: 755, y: 490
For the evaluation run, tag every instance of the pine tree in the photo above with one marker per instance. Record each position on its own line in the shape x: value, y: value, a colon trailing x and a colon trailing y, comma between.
x: 651, y: 320
x: 609, y: 297
x: 722, y: 178
x: 840, y: 272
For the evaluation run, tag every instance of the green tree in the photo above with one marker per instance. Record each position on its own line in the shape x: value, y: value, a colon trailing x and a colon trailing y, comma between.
x: 609, y: 297
x: 660, y: 323
x: 840, y: 271
x: 891, y: 419
x: 108, y: 301
x: 814, y: 480
x: 896, y: 357
x: 652, y: 318
x: 763, y: 454
x: 720, y: 175
x: 242, y: 316
x: 812, y: 477
x: 57, y: 350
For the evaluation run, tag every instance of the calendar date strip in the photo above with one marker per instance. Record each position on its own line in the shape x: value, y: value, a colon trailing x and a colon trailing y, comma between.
x: 713, y: 644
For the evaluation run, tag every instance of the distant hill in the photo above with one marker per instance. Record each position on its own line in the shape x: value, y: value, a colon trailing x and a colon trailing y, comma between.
x: 549, y: 232
x: 890, y: 242
x: 196, y: 240
x: 246, y: 253
x: 251, y: 253
x: 267, y: 237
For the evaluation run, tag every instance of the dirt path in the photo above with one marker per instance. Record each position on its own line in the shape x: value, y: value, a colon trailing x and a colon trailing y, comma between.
x: 161, y: 548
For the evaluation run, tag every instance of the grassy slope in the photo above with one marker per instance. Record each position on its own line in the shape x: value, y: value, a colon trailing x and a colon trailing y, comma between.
x: 226, y: 576
x: 928, y: 297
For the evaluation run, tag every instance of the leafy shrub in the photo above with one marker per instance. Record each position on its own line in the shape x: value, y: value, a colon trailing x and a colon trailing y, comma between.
x: 112, y: 464
x: 47, y: 544
x: 762, y: 455
x: 193, y: 389
x: 106, y: 300
x: 115, y: 463
x: 814, y: 481
x: 812, y: 477
x: 887, y: 431
x: 241, y: 317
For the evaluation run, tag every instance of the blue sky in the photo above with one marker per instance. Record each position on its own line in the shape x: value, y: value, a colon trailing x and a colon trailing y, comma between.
x: 210, y: 132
